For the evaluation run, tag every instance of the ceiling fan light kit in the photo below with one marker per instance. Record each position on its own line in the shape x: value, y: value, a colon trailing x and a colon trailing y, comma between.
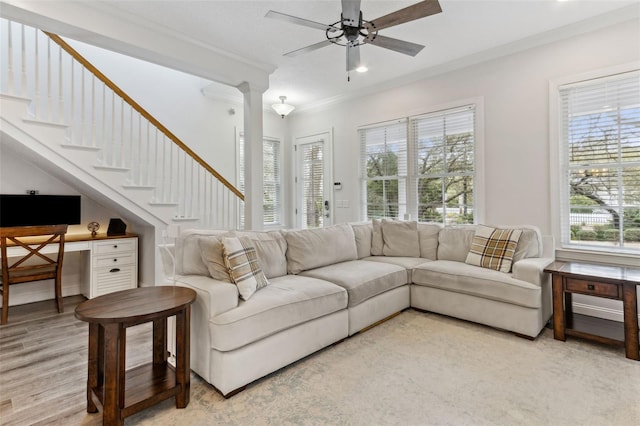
x: 283, y: 109
x: 352, y: 30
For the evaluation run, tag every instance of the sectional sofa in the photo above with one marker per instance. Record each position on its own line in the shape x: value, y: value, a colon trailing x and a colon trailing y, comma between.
x: 327, y: 284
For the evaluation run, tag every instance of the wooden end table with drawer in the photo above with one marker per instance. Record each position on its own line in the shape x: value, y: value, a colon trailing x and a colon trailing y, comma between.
x: 611, y: 282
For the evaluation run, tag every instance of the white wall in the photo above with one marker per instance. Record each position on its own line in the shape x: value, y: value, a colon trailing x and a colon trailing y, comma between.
x: 516, y: 137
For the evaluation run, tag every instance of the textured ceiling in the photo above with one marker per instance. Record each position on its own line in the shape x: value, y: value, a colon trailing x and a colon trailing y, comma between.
x: 463, y: 29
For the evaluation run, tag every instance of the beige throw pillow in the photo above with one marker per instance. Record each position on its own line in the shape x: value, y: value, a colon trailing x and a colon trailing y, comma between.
x: 400, y: 238
x: 376, y: 238
x: 211, y: 253
x: 493, y: 248
x: 242, y: 264
x: 271, y: 248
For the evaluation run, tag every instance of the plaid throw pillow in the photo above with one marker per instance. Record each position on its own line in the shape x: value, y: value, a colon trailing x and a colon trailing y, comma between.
x: 493, y: 248
x: 242, y: 264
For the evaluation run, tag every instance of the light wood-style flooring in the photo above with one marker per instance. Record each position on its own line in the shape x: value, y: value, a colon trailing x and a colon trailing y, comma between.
x: 43, y: 364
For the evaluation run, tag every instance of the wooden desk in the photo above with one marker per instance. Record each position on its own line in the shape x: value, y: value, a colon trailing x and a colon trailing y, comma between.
x: 123, y: 393
x: 108, y: 263
x: 612, y: 282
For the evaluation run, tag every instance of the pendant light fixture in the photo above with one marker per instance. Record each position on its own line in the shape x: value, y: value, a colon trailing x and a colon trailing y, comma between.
x: 283, y: 109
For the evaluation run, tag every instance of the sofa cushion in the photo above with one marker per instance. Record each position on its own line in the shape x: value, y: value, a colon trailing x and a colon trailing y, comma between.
x: 400, y: 238
x: 212, y: 257
x: 454, y: 242
x: 493, y: 248
x: 287, y: 301
x: 313, y: 248
x: 428, y: 236
x: 473, y: 280
x: 271, y: 248
x: 376, y: 237
x: 360, y: 278
x: 241, y: 261
x: 363, y: 233
x: 187, y: 251
x: 406, y: 262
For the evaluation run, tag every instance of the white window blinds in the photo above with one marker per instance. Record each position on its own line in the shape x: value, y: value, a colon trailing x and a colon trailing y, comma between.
x: 312, y: 163
x: 271, y: 172
x: 444, y: 155
x: 384, y: 169
x: 600, y: 167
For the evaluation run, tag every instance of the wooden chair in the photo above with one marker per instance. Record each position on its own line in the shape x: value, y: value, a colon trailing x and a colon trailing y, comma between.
x: 34, y: 265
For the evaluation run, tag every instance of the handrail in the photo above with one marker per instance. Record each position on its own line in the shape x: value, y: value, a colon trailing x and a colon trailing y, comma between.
x: 70, y: 50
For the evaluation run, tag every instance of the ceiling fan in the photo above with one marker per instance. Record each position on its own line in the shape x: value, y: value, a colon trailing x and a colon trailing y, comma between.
x: 353, y: 31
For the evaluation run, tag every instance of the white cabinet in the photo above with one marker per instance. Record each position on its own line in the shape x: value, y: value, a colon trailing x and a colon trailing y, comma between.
x: 114, y: 266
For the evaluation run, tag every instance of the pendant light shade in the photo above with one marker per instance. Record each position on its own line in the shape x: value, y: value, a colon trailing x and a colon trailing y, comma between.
x: 283, y: 109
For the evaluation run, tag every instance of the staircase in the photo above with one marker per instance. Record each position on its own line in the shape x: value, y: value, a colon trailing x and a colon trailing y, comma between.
x: 60, y: 107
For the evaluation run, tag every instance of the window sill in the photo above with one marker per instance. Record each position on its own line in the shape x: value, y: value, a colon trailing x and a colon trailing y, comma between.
x: 575, y: 254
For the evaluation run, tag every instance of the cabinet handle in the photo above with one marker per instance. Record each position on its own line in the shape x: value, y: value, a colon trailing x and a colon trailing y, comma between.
x: 115, y: 246
x: 115, y: 260
x: 591, y: 286
x: 115, y: 270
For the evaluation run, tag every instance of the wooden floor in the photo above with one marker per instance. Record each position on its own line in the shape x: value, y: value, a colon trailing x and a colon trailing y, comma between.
x: 43, y: 364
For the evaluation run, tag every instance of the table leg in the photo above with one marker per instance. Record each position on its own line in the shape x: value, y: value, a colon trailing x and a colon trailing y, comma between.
x: 159, y: 341
x: 558, y: 310
x: 113, y: 383
x: 183, y: 370
x: 568, y: 310
x: 92, y: 376
x: 630, y: 307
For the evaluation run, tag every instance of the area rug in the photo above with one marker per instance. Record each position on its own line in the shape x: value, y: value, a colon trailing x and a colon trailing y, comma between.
x: 427, y: 369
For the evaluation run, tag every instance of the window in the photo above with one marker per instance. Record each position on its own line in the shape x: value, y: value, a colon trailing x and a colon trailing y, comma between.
x: 271, y: 173
x: 444, y: 155
x: 600, y: 163
x: 383, y: 154
x: 422, y: 167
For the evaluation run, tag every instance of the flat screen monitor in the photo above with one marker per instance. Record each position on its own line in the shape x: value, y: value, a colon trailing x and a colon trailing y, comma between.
x: 32, y: 210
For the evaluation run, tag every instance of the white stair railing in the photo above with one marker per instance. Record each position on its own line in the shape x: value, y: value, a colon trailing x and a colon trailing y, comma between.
x: 65, y: 89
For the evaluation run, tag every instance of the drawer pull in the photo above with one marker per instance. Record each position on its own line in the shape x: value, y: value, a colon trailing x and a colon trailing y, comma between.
x: 591, y: 286
x: 115, y: 260
x: 115, y: 270
x: 115, y: 246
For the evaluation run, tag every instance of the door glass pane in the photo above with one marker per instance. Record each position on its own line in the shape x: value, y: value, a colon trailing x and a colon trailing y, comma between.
x: 312, y: 185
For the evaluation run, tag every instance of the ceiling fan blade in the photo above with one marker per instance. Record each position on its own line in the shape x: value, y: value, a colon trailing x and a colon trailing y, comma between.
x: 409, y: 13
x: 295, y: 20
x: 353, y: 57
x: 351, y: 12
x: 308, y: 49
x: 401, y: 46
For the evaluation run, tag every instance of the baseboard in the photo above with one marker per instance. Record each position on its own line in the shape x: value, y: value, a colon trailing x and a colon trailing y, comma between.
x: 599, y: 312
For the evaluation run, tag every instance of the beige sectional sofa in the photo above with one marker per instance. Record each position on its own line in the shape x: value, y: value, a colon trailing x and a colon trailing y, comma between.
x: 327, y: 284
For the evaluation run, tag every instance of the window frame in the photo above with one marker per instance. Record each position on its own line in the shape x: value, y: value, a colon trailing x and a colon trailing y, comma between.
x: 277, y: 182
x: 412, y: 178
x: 559, y: 190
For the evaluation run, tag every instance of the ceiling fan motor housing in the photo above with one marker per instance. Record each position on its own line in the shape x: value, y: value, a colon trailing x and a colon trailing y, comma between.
x: 351, y: 31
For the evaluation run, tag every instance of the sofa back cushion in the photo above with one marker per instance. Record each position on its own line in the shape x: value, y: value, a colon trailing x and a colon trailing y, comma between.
x: 454, y: 242
x: 377, y: 243
x: 363, y: 233
x: 187, y: 251
x: 313, y: 248
x: 271, y: 249
x: 428, y: 236
x: 400, y: 238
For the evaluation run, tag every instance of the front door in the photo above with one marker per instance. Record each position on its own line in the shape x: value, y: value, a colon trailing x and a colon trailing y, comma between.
x: 314, y: 203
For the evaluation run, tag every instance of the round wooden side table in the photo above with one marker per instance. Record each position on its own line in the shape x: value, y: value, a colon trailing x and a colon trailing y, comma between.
x: 123, y: 393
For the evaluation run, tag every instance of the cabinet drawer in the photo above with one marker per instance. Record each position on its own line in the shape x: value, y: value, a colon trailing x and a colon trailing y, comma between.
x: 114, y: 246
x: 114, y: 261
x: 592, y: 288
x: 110, y: 279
